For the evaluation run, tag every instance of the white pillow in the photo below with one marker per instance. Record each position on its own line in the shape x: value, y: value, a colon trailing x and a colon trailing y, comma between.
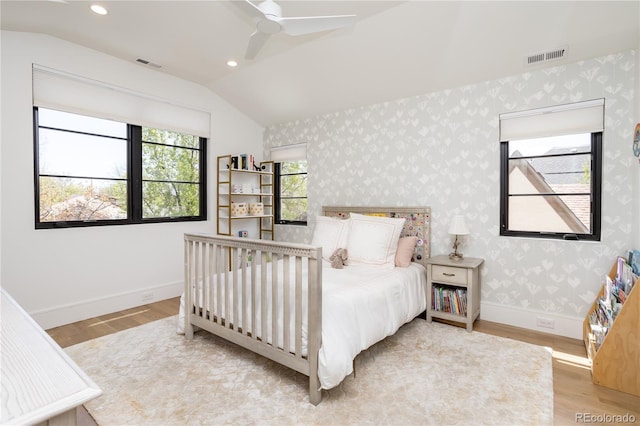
x: 330, y: 233
x: 373, y: 240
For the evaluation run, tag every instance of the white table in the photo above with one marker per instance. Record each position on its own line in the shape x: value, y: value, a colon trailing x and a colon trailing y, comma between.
x: 40, y: 384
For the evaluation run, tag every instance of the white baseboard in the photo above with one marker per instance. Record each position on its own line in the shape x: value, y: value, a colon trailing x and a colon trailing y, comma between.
x: 562, y: 325
x: 66, y: 314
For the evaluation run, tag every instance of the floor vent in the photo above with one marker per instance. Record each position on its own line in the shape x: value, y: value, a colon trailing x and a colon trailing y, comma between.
x: 149, y: 63
x: 551, y: 55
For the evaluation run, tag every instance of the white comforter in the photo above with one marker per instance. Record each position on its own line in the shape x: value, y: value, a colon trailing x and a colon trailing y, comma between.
x: 361, y: 305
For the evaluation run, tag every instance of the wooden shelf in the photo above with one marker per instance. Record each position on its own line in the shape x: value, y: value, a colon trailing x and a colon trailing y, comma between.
x: 257, y: 172
x: 261, y: 181
x: 616, y: 363
x: 247, y: 217
x: 256, y: 194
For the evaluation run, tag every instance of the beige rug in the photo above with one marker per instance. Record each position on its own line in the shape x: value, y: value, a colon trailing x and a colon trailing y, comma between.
x: 431, y: 374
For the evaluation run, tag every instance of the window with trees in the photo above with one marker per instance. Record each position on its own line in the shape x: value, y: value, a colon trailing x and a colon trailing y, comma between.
x: 93, y: 171
x: 291, y: 192
x: 550, y: 176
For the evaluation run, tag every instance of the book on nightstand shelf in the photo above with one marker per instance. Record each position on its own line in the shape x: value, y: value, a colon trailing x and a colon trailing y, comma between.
x: 449, y: 299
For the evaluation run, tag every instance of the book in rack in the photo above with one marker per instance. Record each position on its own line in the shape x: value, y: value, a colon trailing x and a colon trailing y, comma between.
x: 611, y: 331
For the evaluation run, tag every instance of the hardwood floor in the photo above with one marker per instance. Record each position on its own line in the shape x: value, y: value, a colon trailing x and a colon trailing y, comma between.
x: 574, y: 393
x: 78, y: 332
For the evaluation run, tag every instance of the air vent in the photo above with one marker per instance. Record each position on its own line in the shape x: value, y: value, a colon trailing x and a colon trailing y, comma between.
x: 551, y: 55
x: 148, y: 63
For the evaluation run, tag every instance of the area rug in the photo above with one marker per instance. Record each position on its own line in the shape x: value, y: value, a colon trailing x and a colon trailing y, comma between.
x: 426, y: 374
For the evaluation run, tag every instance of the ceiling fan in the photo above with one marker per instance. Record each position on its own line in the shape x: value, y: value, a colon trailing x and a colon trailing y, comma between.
x: 270, y: 21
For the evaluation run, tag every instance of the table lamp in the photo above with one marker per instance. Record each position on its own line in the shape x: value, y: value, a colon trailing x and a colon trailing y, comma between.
x: 458, y: 227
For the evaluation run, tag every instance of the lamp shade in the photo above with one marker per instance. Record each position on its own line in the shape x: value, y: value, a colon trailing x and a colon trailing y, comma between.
x: 458, y: 226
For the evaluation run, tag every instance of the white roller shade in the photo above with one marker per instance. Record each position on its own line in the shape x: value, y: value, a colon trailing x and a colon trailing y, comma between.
x: 71, y: 93
x: 579, y: 117
x: 289, y: 153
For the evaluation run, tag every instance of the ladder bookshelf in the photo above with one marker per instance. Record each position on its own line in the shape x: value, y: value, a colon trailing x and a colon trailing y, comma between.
x: 260, y: 189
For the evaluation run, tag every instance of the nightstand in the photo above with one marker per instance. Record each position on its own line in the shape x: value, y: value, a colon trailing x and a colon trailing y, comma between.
x: 453, y: 289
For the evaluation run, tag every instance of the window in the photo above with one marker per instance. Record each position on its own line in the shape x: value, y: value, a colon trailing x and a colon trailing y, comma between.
x: 550, y: 184
x: 92, y: 171
x: 171, y: 180
x: 291, y: 192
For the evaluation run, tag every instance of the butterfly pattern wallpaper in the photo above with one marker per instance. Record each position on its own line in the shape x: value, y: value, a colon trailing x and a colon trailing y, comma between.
x: 441, y: 150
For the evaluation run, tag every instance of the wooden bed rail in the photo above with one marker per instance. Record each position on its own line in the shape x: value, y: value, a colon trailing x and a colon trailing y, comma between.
x: 229, y: 287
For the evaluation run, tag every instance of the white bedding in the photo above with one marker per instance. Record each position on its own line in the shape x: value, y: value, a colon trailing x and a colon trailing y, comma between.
x: 361, y: 305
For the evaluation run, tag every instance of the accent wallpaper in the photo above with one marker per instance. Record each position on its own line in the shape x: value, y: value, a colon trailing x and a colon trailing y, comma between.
x: 441, y: 150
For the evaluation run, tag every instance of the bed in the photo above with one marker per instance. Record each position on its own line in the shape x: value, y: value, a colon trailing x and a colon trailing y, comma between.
x: 286, y: 302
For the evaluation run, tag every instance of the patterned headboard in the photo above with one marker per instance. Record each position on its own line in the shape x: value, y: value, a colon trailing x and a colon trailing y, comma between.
x: 418, y: 223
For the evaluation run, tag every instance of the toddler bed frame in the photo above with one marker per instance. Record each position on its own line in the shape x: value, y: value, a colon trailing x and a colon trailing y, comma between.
x: 233, y: 261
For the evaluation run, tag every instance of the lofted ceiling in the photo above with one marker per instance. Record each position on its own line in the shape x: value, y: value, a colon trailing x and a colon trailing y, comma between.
x: 395, y: 49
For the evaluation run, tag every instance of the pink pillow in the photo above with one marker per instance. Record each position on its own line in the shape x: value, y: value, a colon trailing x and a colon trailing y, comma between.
x: 406, y: 246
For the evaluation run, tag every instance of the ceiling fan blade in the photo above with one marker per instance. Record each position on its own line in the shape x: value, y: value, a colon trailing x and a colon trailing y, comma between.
x: 314, y: 24
x: 249, y: 8
x: 256, y: 42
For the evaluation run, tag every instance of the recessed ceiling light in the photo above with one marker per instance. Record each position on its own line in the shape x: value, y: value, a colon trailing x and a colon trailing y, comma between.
x: 98, y: 9
x: 232, y: 63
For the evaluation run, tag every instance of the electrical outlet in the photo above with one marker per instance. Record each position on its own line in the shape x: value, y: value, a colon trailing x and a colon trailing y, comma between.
x: 147, y: 297
x: 545, y: 322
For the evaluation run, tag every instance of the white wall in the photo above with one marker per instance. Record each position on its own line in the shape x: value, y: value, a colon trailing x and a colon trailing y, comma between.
x: 441, y: 150
x: 65, y: 275
x: 636, y: 161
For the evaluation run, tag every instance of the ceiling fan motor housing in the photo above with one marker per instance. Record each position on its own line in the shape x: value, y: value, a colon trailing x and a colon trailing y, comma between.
x: 270, y: 9
x: 267, y: 26
x: 272, y: 13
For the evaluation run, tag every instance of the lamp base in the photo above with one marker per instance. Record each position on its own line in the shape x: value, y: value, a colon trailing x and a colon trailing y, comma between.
x: 456, y: 256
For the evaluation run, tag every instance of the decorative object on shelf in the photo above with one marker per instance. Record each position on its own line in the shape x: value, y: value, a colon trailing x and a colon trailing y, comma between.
x: 243, y: 234
x: 256, y: 209
x: 239, y: 209
x: 243, y: 162
x: 458, y: 227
